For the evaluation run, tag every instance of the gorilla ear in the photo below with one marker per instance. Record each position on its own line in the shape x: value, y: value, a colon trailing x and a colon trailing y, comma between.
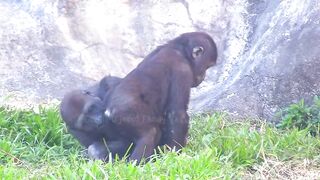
x: 197, y: 51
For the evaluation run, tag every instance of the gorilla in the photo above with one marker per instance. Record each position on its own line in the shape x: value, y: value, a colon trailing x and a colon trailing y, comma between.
x: 83, y: 113
x: 149, y: 106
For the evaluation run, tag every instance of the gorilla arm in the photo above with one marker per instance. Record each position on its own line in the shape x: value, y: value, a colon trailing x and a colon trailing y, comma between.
x: 177, y: 119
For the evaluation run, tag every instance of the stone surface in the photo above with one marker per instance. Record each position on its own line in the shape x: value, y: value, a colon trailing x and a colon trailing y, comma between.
x: 281, y: 63
x: 268, y: 50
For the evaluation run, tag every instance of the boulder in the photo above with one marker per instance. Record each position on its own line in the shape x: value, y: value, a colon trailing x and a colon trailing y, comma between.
x: 268, y: 50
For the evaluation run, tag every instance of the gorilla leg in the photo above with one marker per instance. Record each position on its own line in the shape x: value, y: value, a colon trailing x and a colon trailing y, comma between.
x: 100, y: 150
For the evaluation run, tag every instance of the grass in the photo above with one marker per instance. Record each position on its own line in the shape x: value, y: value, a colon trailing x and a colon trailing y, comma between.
x: 301, y: 116
x: 35, y: 145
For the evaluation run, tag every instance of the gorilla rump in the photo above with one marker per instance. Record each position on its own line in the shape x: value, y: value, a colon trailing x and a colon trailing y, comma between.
x: 149, y: 106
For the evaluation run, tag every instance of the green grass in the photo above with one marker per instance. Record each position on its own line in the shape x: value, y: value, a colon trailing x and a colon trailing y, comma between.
x: 35, y: 145
x: 301, y: 116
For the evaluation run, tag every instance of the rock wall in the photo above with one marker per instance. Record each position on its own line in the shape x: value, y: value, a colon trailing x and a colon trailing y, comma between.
x: 268, y: 51
x: 280, y: 63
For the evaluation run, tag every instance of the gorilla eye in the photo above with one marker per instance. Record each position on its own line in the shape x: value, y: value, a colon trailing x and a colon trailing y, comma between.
x: 197, y: 51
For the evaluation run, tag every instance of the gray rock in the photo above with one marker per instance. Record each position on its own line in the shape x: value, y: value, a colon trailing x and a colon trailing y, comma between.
x: 268, y: 50
x: 280, y: 65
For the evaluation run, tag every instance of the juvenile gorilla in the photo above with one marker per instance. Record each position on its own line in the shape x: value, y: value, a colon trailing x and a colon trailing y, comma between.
x: 149, y: 105
x: 83, y: 113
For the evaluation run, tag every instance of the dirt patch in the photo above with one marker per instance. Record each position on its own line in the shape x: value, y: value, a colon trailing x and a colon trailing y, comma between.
x: 275, y: 169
